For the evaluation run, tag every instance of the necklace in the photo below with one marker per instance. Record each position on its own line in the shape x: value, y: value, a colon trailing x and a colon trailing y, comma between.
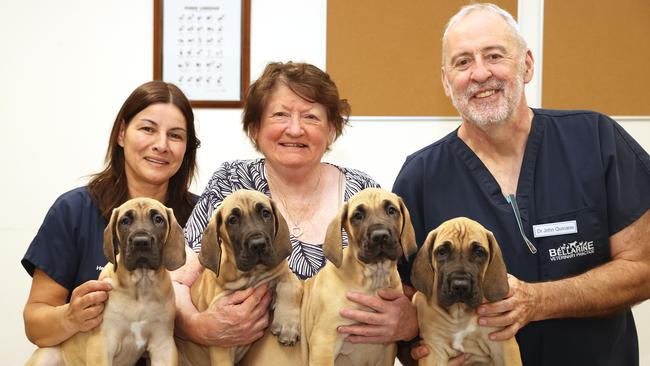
x: 297, y: 227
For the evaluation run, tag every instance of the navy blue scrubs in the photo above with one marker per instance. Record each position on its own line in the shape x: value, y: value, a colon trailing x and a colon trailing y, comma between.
x: 578, y: 166
x: 69, y: 244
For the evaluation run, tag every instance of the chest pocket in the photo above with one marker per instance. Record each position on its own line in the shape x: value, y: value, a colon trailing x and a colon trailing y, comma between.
x: 567, y: 255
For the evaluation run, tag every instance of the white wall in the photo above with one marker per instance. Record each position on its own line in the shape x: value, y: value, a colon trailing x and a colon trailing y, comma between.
x: 65, y: 69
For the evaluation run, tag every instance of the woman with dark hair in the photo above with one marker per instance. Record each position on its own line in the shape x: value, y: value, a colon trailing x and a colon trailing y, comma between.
x: 151, y: 153
x: 292, y: 115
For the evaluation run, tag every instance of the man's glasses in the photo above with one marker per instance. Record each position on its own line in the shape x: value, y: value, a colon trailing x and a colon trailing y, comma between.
x: 512, y: 200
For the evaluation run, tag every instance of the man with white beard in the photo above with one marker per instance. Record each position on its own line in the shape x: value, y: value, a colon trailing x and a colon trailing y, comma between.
x: 566, y: 194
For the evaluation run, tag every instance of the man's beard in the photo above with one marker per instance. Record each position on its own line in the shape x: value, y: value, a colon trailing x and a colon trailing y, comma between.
x: 489, y: 114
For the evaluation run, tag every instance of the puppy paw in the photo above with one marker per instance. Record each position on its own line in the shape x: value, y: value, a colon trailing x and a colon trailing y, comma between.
x: 288, y: 332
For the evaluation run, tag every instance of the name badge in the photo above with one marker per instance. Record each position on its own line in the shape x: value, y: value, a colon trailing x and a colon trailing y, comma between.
x: 555, y: 228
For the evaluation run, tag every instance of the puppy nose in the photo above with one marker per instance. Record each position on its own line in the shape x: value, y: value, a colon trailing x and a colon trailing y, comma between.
x: 141, y: 242
x: 379, y: 236
x: 460, y: 284
x: 257, y: 244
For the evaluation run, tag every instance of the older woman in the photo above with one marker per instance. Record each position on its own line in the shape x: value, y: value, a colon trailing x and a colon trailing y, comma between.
x: 292, y: 115
x: 151, y: 153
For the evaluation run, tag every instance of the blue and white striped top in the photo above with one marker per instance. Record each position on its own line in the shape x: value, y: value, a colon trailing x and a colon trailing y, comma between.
x: 305, y: 259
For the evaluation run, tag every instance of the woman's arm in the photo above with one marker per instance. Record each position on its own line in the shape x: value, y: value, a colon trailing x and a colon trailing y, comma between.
x: 49, y: 320
x: 182, y: 280
x: 236, y: 319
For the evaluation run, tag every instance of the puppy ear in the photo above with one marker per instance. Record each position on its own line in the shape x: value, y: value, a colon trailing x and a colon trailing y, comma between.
x: 423, y: 272
x: 495, y: 281
x: 281, y: 241
x: 109, y: 234
x: 333, y: 245
x: 210, y: 255
x: 174, y: 248
x: 407, y: 237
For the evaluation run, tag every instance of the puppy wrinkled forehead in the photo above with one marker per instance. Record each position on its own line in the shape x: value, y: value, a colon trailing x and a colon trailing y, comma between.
x: 372, y: 195
x: 246, y: 204
x: 244, y: 199
x: 144, y: 203
x: 144, y: 207
x: 462, y: 233
x: 454, y: 233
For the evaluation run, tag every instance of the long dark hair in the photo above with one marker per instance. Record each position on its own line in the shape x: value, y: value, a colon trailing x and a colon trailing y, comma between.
x: 109, y: 189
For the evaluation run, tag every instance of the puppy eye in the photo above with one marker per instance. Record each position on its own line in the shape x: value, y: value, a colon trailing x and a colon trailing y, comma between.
x: 391, y: 210
x: 479, y: 252
x: 358, y: 215
x: 266, y: 214
x: 158, y: 219
x: 125, y: 220
x: 233, y: 220
x: 442, y: 251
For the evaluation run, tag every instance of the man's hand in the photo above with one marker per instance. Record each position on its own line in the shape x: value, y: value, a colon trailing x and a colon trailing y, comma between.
x: 236, y: 319
x: 519, y: 308
x: 393, y: 318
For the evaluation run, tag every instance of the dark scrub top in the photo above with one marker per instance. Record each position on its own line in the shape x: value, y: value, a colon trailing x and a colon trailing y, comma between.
x: 578, y: 166
x: 69, y: 245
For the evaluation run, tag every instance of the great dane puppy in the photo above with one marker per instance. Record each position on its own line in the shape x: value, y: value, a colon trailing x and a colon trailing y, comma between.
x: 245, y: 244
x: 458, y: 266
x: 139, y: 313
x: 379, y: 232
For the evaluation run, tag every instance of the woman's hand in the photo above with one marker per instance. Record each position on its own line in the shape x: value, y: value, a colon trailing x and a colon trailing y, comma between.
x: 84, y: 312
x: 394, y: 318
x: 234, y: 320
x: 50, y: 320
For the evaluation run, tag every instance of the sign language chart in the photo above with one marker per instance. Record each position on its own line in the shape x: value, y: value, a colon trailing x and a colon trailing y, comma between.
x: 202, y: 48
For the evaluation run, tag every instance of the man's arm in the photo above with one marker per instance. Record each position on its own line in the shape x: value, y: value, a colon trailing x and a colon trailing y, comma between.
x: 611, y: 287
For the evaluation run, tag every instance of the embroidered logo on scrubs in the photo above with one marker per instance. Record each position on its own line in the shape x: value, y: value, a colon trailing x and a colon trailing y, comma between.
x: 571, y: 250
x: 99, y: 268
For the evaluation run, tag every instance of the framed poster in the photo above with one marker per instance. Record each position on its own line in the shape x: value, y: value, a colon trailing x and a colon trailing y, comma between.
x: 203, y: 47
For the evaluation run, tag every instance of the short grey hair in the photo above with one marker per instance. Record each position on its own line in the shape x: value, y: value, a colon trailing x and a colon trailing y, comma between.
x: 467, y: 9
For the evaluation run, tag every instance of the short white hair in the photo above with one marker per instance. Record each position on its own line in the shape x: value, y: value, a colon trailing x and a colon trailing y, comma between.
x: 467, y: 9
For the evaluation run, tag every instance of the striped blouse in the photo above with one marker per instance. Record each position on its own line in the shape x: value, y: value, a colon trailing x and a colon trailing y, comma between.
x: 305, y: 259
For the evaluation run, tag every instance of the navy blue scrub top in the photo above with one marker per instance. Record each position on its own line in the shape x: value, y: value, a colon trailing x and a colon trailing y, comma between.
x: 578, y: 165
x: 69, y: 244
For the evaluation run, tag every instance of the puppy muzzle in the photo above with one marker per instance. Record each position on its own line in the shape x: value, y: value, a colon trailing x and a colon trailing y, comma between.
x: 142, y: 251
x: 380, y: 243
x: 459, y: 287
x: 257, y: 249
x: 257, y: 244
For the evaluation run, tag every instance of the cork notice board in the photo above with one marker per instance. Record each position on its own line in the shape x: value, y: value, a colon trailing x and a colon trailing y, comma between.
x: 597, y: 56
x: 385, y: 55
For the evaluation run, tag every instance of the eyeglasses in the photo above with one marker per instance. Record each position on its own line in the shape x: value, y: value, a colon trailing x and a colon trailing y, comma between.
x: 512, y: 200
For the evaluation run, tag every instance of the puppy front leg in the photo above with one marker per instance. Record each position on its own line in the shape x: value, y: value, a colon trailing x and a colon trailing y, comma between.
x: 286, y: 316
x: 222, y: 356
x: 162, y: 351
x: 99, y: 350
x: 505, y: 353
x: 436, y: 356
x: 324, y: 345
x: 390, y: 353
